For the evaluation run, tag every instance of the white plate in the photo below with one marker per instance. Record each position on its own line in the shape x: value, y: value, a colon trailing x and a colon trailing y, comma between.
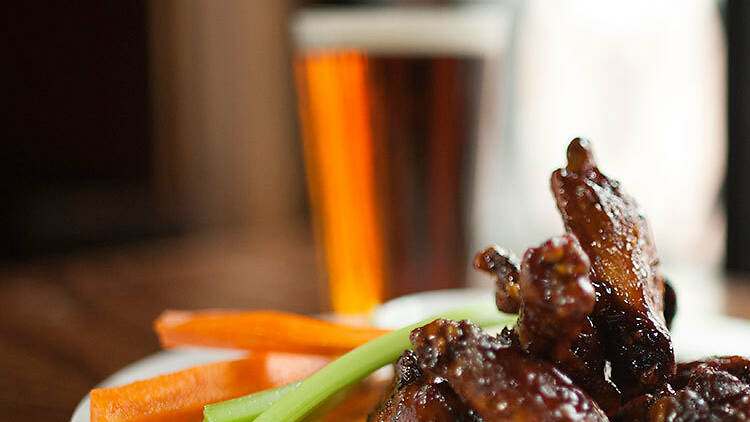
x: 694, y: 336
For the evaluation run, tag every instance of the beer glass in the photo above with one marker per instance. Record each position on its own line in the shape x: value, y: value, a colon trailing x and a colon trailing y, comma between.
x: 390, y: 101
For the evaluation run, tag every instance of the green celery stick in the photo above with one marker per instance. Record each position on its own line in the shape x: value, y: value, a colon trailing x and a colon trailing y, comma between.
x: 245, y: 409
x: 360, y: 362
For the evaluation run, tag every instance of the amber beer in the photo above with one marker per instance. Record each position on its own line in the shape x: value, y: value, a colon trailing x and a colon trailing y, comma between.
x: 389, y: 125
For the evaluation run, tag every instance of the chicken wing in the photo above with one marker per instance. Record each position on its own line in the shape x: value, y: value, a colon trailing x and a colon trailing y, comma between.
x: 416, y: 397
x: 711, y: 390
x: 557, y: 297
x: 615, y: 235
x: 500, y: 383
x: 735, y: 365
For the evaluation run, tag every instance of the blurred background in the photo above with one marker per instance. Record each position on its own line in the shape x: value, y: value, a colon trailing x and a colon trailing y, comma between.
x: 311, y: 156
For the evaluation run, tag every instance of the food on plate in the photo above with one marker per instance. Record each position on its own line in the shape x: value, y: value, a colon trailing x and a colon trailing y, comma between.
x: 614, y: 233
x: 554, y: 320
x: 260, y: 330
x: 590, y: 341
x: 715, y: 389
x: 499, y: 381
x: 181, y: 396
x: 416, y: 395
x: 710, y: 395
x: 316, y: 389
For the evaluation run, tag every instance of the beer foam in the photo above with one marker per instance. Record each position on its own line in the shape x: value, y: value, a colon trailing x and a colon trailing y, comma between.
x: 466, y: 29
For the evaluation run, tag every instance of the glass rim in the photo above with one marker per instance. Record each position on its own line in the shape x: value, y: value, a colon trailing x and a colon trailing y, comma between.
x: 468, y: 28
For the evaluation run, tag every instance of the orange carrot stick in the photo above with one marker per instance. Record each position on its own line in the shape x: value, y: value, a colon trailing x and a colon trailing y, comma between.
x: 260, y: 330
x: 180, y: 396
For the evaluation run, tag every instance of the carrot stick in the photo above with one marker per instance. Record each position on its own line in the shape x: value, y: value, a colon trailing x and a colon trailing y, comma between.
x: 260, y: 330
x: 180, y: 396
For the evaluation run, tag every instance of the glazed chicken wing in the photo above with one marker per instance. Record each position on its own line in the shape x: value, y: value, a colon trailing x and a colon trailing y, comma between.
x: 557, y: 298
x: 499, y: 382
x: 735, y: 365
x: 615, y: 236
x: 554, y: 295
x: 418, y: 397
x: 712, y: 390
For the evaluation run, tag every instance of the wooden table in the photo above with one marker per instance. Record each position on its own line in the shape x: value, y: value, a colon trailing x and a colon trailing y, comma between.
x: 67, y: 322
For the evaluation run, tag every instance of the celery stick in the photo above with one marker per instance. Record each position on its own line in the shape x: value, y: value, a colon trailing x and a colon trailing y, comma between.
x: 360, y: 362
x: 245, y: 409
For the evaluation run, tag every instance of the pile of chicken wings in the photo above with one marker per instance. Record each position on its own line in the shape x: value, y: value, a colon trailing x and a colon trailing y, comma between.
x: 592, y: 340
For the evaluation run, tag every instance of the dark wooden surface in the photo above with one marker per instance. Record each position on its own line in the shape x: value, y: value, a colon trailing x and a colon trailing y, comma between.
x: 69, y: 321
